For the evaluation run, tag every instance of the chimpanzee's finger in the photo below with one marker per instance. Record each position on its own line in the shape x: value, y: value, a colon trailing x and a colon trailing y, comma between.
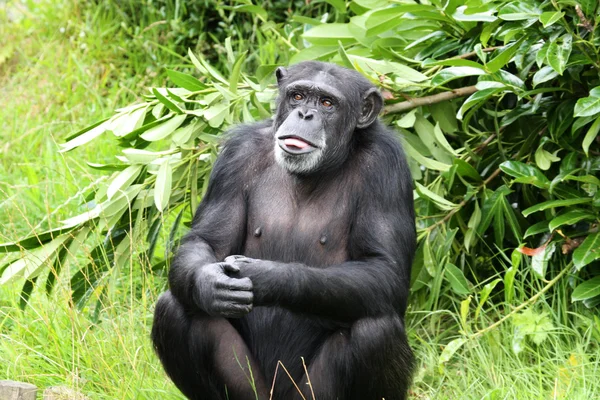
x: 237, y: 258
x: 236, y: 296
x: 228, y: 266
x: 235, y: 284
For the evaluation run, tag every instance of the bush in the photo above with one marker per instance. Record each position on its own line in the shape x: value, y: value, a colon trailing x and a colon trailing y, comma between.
x: 497, y: 104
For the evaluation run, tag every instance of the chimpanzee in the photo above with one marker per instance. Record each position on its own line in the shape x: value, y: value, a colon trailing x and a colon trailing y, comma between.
x: 295, y: 274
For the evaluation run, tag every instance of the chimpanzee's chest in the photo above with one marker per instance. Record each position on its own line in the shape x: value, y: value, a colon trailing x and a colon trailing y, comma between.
x: 288, y: 225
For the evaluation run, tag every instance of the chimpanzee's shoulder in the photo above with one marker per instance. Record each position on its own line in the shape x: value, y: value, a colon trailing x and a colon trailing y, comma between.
x: 246, y: 139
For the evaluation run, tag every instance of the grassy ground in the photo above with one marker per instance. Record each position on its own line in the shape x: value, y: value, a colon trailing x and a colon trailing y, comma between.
x: 61, y: 68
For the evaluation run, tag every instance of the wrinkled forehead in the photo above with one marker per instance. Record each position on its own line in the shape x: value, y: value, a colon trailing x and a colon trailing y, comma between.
x: 321, y: 82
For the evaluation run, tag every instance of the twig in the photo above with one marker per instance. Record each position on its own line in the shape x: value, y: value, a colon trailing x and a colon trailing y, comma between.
x: 474, y: 53
x: 584, y: 21
x: 484, y: 144
x: 308, y: 379
x: 433, y: 99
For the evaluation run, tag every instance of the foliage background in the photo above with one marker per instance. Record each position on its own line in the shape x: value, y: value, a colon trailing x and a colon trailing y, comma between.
x: 505, y: 284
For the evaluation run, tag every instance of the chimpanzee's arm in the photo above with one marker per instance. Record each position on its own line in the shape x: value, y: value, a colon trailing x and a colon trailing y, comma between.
x: 376, y: 279
x: 196, y: 278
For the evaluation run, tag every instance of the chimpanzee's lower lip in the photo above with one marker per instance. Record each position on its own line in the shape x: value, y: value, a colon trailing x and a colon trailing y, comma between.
x: 293, y: 150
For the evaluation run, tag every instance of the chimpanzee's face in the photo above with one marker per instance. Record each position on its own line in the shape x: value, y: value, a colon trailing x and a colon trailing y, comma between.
x: 319, y: 107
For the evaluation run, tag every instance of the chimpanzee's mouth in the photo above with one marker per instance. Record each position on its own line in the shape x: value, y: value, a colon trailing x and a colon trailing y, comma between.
x: 295, y: 145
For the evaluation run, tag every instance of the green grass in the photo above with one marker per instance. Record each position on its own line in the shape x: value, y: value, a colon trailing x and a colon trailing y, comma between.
x: 63, y: 66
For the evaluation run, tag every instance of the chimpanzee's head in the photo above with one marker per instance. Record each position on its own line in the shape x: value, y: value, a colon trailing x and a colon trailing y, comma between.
x: 320, y: 106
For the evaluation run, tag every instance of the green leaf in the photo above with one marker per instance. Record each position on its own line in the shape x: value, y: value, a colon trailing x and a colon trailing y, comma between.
x: 466, y: 170
x: 445, y: 114
x: 85, y: 137
x: 540, y: 227
x: 162, y: 188
x: 544, y: 159
x: 185, y: 81
x: 491, y: 207
x: 464, y: 311
x: 525, y: 173
x: 518, y: 11
x: 407, y: 120
x: 472, y: 226
x: 139, y: 156
x: 428, y: 260
x: 448, y: 74
x: 421, y: 159
x: 34, y: 241
x: 504, y: 57
x: 386, y: 19
x: 550, y: 17
x: 438, y: 200
x: 450, y: 349
x: 587, y: 289
x: 166, y: 102
x: 215, y: 115
x: 463, y: 13
x: 555, y: 203
x: 441, y: 140
x: 426, y: 132
x: 163, y: 130
x: 252, y: 9
x: 330, y: 35
x: 559, y: 52
x: 480, y: 97
x: 123, y: 179
x: 511, y: 220
x: 384, y: 67
x: 590, y: 136
x: 543, y: 75
x: 588, y: 251
x: 484, y: 294
x: 532, y: 325
x: 235, y: 72
x: 457, y: 279
x: 509, y: 283
x: 590, y: 105
x: 197, y: 63
x: 30, y: 265
x: 569, y: 218
x: 539, y: 262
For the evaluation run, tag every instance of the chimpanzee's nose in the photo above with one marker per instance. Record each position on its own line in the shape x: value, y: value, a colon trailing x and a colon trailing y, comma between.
x: 306, y: 114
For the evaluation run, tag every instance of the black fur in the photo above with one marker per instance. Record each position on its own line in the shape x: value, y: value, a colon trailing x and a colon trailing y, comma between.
x: 327, y: 251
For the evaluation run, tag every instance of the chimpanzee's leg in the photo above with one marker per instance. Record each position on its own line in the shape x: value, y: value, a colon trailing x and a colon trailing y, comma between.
x: 370, y: 361
x: 205, y: 356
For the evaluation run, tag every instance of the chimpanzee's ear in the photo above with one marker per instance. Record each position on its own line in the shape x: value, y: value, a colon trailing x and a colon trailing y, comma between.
x: 280, y: 73
x: 372, y: 105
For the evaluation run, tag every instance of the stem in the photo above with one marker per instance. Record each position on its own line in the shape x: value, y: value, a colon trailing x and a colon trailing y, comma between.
x: 532, y: 300
x: 474, y: 53
x: 427, y: 100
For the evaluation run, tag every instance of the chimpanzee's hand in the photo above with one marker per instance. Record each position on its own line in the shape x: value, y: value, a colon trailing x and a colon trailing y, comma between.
x: 219, y: 294
x: 260, y: 272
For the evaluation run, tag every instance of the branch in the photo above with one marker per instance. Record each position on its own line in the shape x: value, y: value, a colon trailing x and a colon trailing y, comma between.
x: 474, y: 53
x: 424, y: 101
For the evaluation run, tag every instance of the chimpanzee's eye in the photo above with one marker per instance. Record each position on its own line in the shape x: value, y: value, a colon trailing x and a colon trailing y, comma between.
x: 297, y: 96
x: 326, y: 103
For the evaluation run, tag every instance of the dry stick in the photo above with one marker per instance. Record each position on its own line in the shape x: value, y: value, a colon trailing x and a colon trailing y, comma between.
x: 424, y: 101
x: 290, y: 376
x: 308, y: 379
x: 523, y: 305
